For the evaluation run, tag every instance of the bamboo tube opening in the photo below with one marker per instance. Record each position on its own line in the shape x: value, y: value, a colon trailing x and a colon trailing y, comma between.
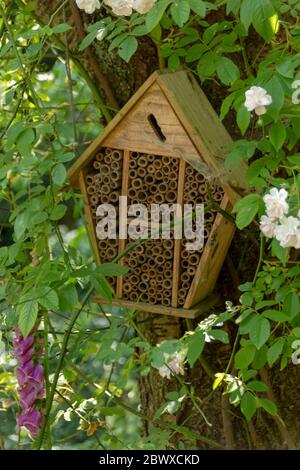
x: 142, y: 161
x: 137, y: 183
x: 97, y: 165
x: 173, y: 175
x: 158, y: 174
x: 191, y: 270
x: 149, y: 179
x: 132, y: 173
x: 151, y: 169
x: 141, y: 171
x: 91, y: 189
x: 171, y: 196
x: 173, y: 184
x: 194, y: 259
x: 157, y: 164
x: 166, y: 302
x: 94, y: 199
x: 167, y: 283
x: 99, y: 156
x: 163, y: 187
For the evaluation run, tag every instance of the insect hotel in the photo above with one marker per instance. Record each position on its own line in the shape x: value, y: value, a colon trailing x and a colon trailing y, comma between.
x: 165, y: 146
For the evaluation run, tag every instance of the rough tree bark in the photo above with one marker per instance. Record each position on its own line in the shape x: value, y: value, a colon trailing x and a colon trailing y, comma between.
x: 117, y: 82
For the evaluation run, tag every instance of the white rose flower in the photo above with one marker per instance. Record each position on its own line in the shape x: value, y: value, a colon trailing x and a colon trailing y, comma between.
x: 276, y: 205
x: 257, y: 99
x: 288, y: 232
x: 143, y: 6
x: 267, y: 226
x: 120, y: 7
x: 173, y: 365
x: 89, y: 6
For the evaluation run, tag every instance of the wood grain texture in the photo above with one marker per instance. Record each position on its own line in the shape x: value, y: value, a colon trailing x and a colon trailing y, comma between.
x: 212, y: 258
x: 177, y: 248
x: 122, y: 242
x: 196, y: 311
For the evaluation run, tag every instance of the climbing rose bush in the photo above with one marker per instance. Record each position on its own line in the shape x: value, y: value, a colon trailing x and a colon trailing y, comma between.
x: 126, y: 7
x: 89, y: 6
x: 286, y: 230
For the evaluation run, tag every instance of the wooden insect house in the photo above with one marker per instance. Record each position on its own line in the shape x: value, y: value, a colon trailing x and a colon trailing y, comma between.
x: 165, y: 146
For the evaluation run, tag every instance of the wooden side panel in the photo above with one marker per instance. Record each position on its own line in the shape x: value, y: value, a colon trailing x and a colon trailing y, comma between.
x: 136, y: 132
x: 177, y: 249
x: 212, y: 258
x: 88, y: 215
x: 122, y: 243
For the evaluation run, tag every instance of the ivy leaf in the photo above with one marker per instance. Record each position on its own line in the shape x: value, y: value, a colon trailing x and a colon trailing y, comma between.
x: 196, y: 344
x: 28, y: 312
x: 227, y: 71
x: 180, y: 11
x: 127, y: 48
x: 248, y: 405
x: 260, y: 331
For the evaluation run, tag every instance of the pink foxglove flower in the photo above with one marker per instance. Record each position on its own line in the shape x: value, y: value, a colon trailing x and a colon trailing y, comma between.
x: 30, y: 376
x: 257, y: 99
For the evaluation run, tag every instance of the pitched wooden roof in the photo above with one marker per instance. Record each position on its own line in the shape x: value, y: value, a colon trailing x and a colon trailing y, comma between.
x: 190, y: 129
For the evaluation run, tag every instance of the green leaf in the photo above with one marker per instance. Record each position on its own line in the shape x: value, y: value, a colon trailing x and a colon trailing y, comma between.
x: 198, y: 6
x: 28, y: 312
x: 89, y: 38
x: 195, y: 344
x: 156, y: 13
x: 111, y: 269
x: 276, y: 315
x: 243, y: 118
x: 227, y: 71
x: 127, y: 48
x: 257, y: 386
x: 277, y: 135
x: 248, y: 405
x: 58, y: 212
x: 291, y: 305
x: 180, y: 11
x: 246, y: 216
x: 280, y: 252
x: 68, y: 298
x: 260, y: 331
x: 267, y: 405
x: 274, y: 88
x: 275, y: 350
x: 244, y: 357
x: 59, y: 174
x: 24, y: 142
x: 49, y: 300
x: 219, y: 335
x: 61, y: 28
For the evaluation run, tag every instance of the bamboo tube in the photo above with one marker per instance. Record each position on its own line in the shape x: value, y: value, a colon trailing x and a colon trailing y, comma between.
x: 111, y: 252
x: 158, y: 198
x: 132, y: 262
x: 99, y: 156
x: 145, y: 277
x: 117, y: 155
x: 166, y: 302
x: 157, y: 164
x: 127, y: 287
x: 151, y: 169
x: 189, y: 171
x: 105, y: 189
x: 151, y: 158
x: 173, y: 185
x: 173, y: 176
x: 108, y: 151
x: 171, y: 196
x: 132, y: 193
x: 168, y: 254
x: 159, y: 268
x: 144, y: 268
x: 89, y: 179
x: 134, y: 296
x: 166, y: 160
x: 184, y: 263
x: 91, y: 190
x: 115, y: 166
x: 184, y: 277
x: 114, y: 197
x: 97, y: 165
x: 133, y: 279
x: 167, y: 283
x: 209, y: 217
x: 142, y: 196
x: 168, y: 265
x: 145, y: 297
x: 194, y: 259
x: 160, y: 259
x: 157, y: 249
x: 108, y: 159
x: 104, y: 180
x: 182, y: 293
x: 142, y: 161
x: 192, y: 270
x: 132, y: 173
x: 141, y: 259
x: 168, y: 244
x: 149, y: 180
x: 199, y: 178
x: 152, y: 274
x: 141, y: 171
x: 103, y: 244
x: 159, y: 287
x: 152, y: 291
x: 189, y: 179
x: 151, y: 262
x: 143, y: 286
x: 104, y: 198
x: 184, y: 254
x: 137, y: 183
x: 132, y: 164
x: 158, y: 175
x: 163, y: 187
x: 152, y: 282
x: 134, y: 154
x: 168, y: 273
x: 159, y: 279
x: 152, y: 299
x: 159, y: 296
x: 166, y: 170
x: 94, y: 199
x: 139, y: 249
x: 202, y: 189
x: 185, y: 285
